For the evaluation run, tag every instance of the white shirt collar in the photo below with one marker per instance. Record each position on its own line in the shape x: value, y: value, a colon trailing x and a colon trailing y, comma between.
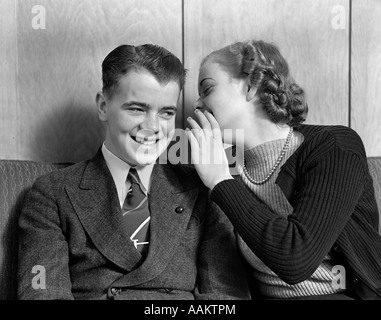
x: 119, y: 171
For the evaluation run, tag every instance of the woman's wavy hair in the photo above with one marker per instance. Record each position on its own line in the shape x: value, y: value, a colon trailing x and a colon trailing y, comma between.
x: 283, y: 99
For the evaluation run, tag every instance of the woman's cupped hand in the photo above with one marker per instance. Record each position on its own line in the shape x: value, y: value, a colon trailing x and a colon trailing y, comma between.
x: 207, y: 149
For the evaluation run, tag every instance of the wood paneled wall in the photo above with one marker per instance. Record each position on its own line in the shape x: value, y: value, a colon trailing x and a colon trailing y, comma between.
x: 49, y: 77
x: 366, y: 73
x: 8, y: 82
x: 317, y: 53
x: 48, y: 90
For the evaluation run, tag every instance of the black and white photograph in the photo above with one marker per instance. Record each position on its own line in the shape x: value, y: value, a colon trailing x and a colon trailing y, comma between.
x: 194, y: 157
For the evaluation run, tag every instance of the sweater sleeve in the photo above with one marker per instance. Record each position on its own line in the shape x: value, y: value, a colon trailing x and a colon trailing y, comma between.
x: 294, y: 246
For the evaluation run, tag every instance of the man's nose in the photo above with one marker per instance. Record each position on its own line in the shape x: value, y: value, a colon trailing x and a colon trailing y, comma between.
x: 151, y: 123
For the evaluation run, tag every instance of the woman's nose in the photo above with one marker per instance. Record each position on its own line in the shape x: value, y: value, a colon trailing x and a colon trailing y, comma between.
x: 198, y: 104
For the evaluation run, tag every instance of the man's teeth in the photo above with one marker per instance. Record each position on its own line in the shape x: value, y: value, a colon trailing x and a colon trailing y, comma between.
x: 146, y: 141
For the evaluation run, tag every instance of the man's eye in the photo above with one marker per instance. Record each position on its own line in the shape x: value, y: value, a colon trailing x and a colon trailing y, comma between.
x: 168, y: 114
x: 135, y: 110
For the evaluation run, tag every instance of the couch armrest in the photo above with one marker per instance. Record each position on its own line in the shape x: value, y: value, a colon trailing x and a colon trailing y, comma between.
x: 374, y: 164
x: 16, y: 177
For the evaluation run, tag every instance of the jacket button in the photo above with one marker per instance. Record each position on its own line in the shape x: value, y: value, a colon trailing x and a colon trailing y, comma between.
x: 179, y: 209
x: 115, y: 291
x: 355, y: 280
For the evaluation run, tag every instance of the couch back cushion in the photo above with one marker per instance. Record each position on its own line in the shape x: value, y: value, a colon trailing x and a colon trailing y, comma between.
x: 16, y: 177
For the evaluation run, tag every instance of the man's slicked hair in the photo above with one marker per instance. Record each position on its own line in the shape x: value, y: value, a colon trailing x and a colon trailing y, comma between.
x: 158, y: 61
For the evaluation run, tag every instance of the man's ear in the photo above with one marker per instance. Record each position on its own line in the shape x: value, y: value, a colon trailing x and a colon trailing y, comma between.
x: 101, y: 102
x: 251, y: 91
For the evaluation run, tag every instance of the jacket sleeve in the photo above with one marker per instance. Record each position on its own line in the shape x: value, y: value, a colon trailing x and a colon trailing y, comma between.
x: 294, y: 246
x: 221, y: 274
x: 43, y: 270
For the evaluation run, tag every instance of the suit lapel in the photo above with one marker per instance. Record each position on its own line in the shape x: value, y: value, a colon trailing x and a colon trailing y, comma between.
x: 167, y: 226
x: 97, y: 206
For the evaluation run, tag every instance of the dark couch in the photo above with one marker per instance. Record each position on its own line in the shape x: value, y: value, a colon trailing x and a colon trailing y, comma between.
x: 17, y: 176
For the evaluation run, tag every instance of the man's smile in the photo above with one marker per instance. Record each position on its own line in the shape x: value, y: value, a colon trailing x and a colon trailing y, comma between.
x: 147, y: 141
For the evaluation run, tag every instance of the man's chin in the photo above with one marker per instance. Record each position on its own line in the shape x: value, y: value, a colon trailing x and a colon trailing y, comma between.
x: 147, y: 156
x: 144, y: 159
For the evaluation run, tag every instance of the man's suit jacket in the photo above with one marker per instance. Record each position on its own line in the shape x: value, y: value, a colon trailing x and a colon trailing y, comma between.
x: 70, y: 227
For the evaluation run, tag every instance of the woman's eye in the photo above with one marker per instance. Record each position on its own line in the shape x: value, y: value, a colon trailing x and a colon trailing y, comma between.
x: 206, y: 91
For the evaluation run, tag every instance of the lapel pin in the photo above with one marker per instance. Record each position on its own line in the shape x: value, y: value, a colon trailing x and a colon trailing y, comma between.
x: 179, y: 209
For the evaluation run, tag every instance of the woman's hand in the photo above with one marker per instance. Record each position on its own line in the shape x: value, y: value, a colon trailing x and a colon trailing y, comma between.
x: 208, y: 153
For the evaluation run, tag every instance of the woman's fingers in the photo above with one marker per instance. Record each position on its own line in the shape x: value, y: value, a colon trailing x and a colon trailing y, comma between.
x: 216, y: 131
x: 193, y: 123
x: 195, y: 148
x: 212, y: 120
x: 206, y: 126
x: 196, y: 130
x: 209, y: 125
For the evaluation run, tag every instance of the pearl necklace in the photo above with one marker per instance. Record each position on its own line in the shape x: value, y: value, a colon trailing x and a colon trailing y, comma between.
x: 283, y: 152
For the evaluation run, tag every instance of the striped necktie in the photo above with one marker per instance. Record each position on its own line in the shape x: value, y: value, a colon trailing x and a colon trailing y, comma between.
x: 136, y: 213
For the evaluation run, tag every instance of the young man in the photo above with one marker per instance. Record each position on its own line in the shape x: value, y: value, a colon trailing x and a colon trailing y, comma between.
x: 119, y: 226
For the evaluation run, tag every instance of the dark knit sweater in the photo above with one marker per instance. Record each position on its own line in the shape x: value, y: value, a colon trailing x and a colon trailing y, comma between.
x: 327, y: 181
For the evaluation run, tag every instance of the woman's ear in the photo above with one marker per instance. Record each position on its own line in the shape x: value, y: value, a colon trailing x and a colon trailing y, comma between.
x: 251, y: 91
x: 101, y: 102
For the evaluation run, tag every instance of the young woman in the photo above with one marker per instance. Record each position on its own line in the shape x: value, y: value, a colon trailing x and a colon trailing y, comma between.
x: 303, y: 202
